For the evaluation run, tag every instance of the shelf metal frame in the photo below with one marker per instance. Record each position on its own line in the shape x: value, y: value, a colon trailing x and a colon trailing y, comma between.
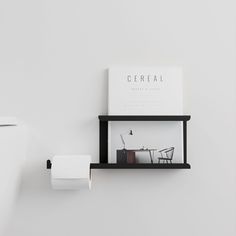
x: 103, y: 138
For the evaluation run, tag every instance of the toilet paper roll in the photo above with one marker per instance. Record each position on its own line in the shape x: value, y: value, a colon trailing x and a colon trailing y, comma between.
x: 71, y: 172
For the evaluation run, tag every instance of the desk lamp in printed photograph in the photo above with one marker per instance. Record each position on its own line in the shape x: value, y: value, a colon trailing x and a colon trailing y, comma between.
x: 125, y: 156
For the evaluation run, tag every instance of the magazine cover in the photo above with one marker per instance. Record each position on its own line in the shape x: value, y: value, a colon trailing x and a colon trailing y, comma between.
x: 145, y: 142
x: 145, y: 91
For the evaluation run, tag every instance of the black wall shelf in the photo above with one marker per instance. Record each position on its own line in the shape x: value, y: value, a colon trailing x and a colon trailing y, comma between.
x: 103, y: 142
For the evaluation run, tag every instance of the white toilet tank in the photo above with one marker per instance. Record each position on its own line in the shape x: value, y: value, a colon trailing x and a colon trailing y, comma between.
x: 13, y: 144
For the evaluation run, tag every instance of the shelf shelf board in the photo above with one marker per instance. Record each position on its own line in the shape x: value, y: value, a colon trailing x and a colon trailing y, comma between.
x: 133, y: 166
x: 144, y: 118
x: 139, y: 166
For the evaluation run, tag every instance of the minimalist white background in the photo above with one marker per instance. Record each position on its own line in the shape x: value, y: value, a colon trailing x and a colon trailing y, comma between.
x: 53, y: 56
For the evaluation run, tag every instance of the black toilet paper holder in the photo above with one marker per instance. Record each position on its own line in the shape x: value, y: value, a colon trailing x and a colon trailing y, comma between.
x: 49, y: 164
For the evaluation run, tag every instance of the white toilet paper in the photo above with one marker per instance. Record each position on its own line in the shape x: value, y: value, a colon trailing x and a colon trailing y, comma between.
x: 71, y: 172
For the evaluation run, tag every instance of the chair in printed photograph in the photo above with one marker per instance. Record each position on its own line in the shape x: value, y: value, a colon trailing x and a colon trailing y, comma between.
x: 166, y: 155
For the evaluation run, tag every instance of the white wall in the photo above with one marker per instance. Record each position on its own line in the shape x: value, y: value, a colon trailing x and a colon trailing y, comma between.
x: 53, y: 56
